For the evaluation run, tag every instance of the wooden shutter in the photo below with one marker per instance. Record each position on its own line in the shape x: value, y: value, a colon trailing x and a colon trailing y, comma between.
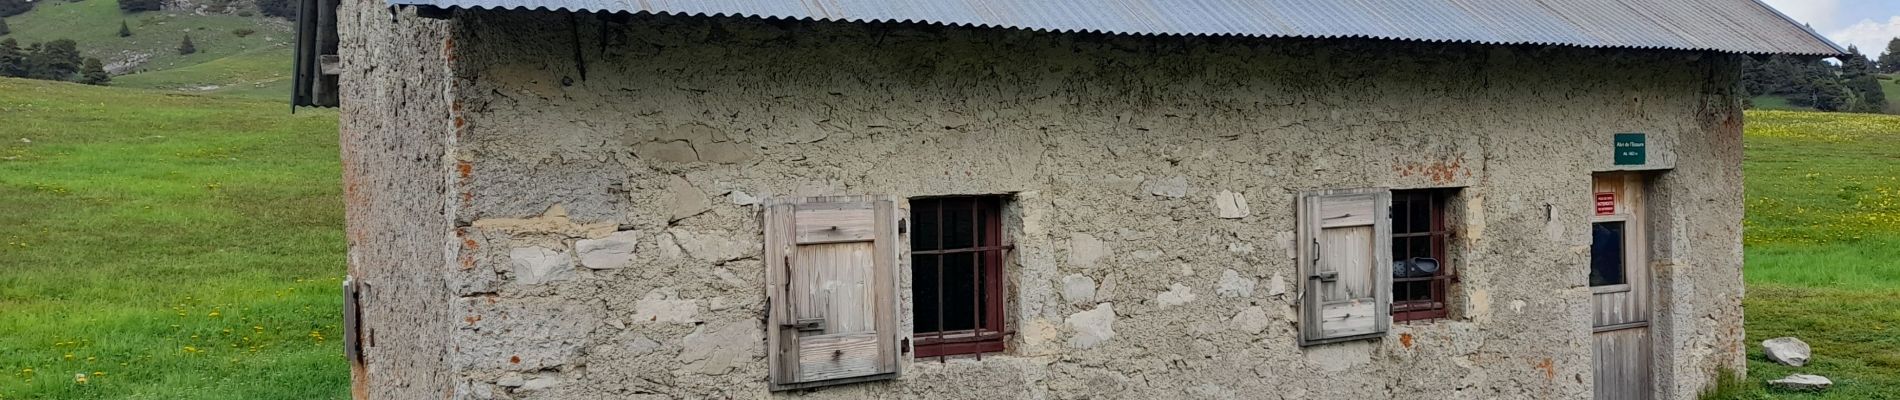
x: 1345, y: 251
x: 831, y: 278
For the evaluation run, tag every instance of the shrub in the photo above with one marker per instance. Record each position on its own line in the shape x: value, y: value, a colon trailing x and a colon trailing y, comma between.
x: 286, y: 9
x: 139, y: 5
x: 242, y: 32
x: 124, y: 31
x: 3, y: 27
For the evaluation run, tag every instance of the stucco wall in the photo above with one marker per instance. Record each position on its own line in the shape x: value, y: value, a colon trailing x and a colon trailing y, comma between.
x: 394, y: 135
x: 575, y: 137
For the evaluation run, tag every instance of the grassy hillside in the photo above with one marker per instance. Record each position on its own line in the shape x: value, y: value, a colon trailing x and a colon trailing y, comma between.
x: 1823, y: 249
x: 167, y: 246
x: 225, y: 61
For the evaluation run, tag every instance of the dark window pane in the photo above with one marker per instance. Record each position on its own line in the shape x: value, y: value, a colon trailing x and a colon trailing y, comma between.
x: 1421, y: 213
x: 1414, y: 291
x: 1421, y: 246
x: 924, y: 226
x: 1606, y: 254
x: 959, y: 292
x: 923, y: 290
x: 1399, y: 213
x: 959, y: 223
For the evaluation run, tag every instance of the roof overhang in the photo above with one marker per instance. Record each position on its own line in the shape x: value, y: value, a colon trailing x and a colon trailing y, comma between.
x: 1728, y: 26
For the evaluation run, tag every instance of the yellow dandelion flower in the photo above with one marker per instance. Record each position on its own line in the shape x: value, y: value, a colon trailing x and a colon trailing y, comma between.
x: 79, y: 378
x: 213, y: 314
x: 69, y: 357
x: 98, y: 373
x: 189, y: 349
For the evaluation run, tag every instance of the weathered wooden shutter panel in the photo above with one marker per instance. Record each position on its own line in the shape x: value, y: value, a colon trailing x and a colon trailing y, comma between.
x: 1346, y: 264
x: 831, y: 281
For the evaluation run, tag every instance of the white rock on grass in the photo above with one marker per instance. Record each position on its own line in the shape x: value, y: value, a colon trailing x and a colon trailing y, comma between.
x: 1787, y: 351
x: 1803, y: 382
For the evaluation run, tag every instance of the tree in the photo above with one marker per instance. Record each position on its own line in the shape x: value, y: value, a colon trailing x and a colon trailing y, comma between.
x: 1890, y: 61
x: 186, y: 47
x: 10, y: 8
x: 1855, y: 64
x: 12, y: 60
x: 1865, y: 95
x: 139, y: 5
x: 3, y: 27
x: 94, y: 73
x: 124, y: 31
x: 285, y: 9
x: 57, y: 60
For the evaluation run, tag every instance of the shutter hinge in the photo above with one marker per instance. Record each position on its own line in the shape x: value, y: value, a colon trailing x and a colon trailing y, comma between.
x: 353, y: 320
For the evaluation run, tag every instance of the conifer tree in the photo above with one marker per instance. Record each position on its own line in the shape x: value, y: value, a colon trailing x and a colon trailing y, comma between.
x: 124, y: 31
x: 94, y: 73
x: 186, y: 47
x: 3, y: 27
x: 1890, y: 61
x: 12, y: 60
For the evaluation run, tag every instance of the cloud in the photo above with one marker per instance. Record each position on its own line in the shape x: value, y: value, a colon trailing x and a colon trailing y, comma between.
x: 1819, y: 13
x: 1870, y: 36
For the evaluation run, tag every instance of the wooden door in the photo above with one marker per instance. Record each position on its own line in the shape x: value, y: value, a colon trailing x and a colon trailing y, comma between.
x: 1620, y: 290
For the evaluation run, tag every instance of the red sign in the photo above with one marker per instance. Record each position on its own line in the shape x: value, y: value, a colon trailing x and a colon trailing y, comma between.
x: 1606, y: 203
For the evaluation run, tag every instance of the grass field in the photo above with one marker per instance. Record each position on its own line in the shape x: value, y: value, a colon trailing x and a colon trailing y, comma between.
x: 1823, y: 249
x: 256, y: 64
x: 167, y: 246
x: 183, y: 246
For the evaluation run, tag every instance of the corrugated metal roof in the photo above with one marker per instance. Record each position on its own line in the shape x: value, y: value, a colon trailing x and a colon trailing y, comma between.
x: 1736, y: 26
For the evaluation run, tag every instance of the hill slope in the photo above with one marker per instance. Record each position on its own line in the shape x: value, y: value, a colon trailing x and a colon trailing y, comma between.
x: 229, y: 59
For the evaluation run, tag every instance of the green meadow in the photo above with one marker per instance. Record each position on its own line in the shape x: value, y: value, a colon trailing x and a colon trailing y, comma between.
x: 1822, y: 238
x: 158, y: 245
x: 166, y: 246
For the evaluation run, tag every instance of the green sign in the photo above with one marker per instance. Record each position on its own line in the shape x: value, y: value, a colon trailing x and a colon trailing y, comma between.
x: 1631, y: 149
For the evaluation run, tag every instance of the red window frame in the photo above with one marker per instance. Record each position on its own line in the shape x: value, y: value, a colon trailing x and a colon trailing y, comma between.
x: 990, y: 251
x: 1437, y: 236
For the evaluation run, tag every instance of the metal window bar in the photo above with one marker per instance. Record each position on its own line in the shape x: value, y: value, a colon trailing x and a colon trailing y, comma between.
x: 986, y: 252
x: 1438, y: 285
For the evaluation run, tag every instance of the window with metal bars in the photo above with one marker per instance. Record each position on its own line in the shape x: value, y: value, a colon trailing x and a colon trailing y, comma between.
x: 957, y: 256
x: 1422, y: 272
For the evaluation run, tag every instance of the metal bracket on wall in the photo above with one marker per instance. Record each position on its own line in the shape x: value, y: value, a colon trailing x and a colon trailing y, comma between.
x: 352, y: 321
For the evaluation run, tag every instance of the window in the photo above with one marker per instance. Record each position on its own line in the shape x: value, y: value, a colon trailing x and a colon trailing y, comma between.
x: 1606, y: 254
x: 1421, y: 269
x: 957, y: 255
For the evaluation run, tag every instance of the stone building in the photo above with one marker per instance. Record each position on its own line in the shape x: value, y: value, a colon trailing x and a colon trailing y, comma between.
x: 1462, y: 199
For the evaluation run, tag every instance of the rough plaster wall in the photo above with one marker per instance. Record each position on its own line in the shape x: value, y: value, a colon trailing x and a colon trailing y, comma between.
x: 659, y: 135
x: 1697, y: 249
x: 395, y: 132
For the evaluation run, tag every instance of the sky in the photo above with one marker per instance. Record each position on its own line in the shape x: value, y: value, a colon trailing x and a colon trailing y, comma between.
x: 1868, y: 24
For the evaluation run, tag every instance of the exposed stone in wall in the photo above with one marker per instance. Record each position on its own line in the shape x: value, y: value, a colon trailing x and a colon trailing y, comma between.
x: 1230, y: 205
x: 1092, y: 327
x: 536, y: 265
x: 1086, y: 250
x: 614, y: 251
x: 1233, y: 285
x: 1177, y: 294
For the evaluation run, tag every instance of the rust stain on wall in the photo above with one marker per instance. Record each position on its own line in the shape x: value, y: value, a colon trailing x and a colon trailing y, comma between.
x: 1406, y: 340
x: 1439, y: 172
x: 1550, y: 369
